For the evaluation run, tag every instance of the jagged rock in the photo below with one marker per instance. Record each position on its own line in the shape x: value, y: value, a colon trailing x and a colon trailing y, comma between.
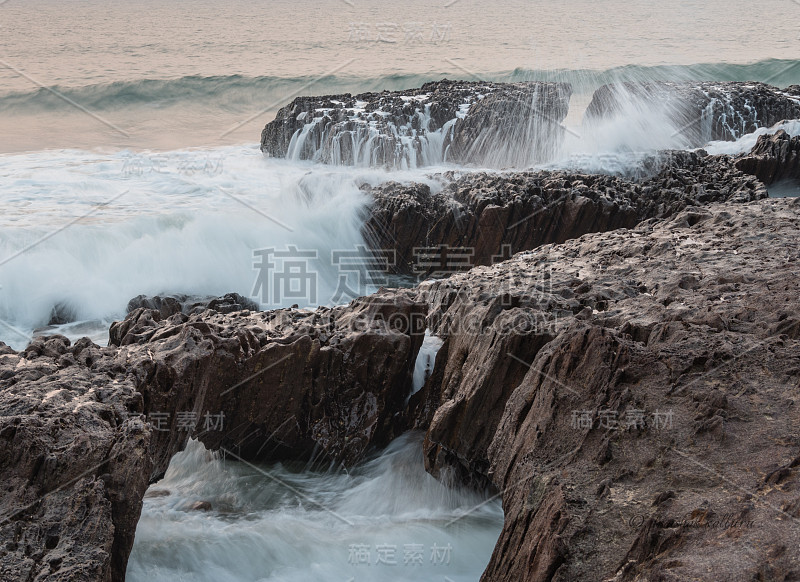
x: 644, y: 364
x: 85, y: 429
x: 415, y: 127
x: 74, y: 460
x: 774, y: 158
x: 518, y: 127
x: 491, y: 216
x: 287, y: 381
x: 700, y: 111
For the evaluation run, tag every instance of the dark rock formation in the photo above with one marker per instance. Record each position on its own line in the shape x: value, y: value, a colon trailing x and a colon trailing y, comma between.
x: 288, y: 382
x: 415, y: 127
x: 490, y: 216
x: 633, y: 392
x: 701, y: 111
x: 773, y: 159
x: 85, y: 429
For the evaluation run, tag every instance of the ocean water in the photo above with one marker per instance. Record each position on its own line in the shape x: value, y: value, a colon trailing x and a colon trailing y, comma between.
x: 129, y: 164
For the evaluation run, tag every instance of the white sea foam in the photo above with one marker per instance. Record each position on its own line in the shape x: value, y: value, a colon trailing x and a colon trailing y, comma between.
x: 175, y: 222
x: 259, y: 528
x: 746, y: 142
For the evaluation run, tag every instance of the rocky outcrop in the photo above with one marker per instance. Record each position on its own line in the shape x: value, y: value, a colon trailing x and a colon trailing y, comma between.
x: 290, y: 383
x: 700, y: 111
x: 634, y: 390
x: 480, y: 218
x: 84, y: 430
x: 416, y: 127
x: 75, y: 462
x: 773, y: 159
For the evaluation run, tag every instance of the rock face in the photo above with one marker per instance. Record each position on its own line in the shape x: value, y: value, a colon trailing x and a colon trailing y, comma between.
x: 635, y: 391
x: 84, y: 430
x: 416, y: 127
x: 483, y: 218
x: 773, y: 159
x: 74, y: 459
x: 288, y: 382
x: 700, y: 111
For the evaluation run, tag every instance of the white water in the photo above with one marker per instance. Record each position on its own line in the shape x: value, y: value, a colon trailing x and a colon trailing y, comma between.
x: 91, y: 231
x: 746, y: 142
x: 261, y: 529
x: 426, y: 358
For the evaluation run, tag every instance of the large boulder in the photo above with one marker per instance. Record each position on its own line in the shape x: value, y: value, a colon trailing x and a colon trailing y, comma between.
x: 456, y: 121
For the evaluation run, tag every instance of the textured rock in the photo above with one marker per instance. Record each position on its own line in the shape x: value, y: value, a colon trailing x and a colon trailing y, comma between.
x: 682, y: 332
x: 520, y: 211
x: 415, y: 127
x: 84, y: 430
x: 774, y: 158
x: 288, y: 382
x: 172, y: 304
x: 701, y: 111
x: 74, y: 460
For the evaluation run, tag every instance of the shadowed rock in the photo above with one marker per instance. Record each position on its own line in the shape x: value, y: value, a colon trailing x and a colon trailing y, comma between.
x: 635, y: 389
x: 491, y: 216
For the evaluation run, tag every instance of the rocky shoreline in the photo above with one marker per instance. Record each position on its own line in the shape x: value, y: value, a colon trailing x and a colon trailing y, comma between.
x: 627, y: 382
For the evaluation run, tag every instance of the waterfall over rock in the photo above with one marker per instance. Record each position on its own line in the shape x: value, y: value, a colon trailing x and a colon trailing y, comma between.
x: 495, y: 124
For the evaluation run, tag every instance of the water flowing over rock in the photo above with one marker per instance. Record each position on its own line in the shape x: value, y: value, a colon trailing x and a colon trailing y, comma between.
x: 635, y: 389
x: 699, y: 111
x: 491, y: 216
x: 773, y: 159
x: 457, y: 121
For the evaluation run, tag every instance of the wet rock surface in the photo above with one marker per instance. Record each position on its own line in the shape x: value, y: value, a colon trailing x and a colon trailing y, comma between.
x: 397, y: 128
x: 701, y: 111
x: 633, y: 395
x: 492, y: 216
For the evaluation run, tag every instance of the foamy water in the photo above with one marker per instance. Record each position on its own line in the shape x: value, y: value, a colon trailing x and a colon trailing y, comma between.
x: 386, y: 520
